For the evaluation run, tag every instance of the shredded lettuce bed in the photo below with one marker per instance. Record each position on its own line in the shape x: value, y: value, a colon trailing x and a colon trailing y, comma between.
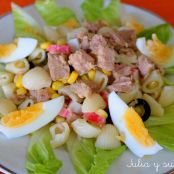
x: 163, y: 32
x: 52, y: 14
x: 26, y: 25
x: 40, y: 156
x: 95, y: 10
x: 90, y: 160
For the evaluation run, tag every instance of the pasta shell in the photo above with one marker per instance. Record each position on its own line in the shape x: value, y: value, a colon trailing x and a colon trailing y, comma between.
x: 108, y: 138
x: 35, y: 79
x: 60, y: 133
x: 84, y: 129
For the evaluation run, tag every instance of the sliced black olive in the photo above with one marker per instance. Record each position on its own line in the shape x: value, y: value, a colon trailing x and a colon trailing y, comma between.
x: 142, y: 108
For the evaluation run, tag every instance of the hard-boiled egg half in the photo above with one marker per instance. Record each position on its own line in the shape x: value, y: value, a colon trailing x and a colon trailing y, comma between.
x: 30, y: 119
x: 19, y: 49
x: 157, y: 51
x: 131, y: 128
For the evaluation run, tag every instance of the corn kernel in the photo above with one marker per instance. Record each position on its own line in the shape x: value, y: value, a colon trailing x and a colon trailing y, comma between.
x: 61, y: 42
x: 57, y: 85
x: 45, y: 45
x: 72, y: 23
x: 18, y: 81
x: 108, y: 73
x: 55, y: 95
x: 20, y: 64
x: 21, y: 91
x: 91, y: 74
x: 59, y: 119
x: 84, y: 77
x: 73, y: 77
x: 102, y: 113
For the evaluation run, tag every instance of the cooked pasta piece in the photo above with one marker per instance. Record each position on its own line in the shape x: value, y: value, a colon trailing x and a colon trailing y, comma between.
x: 60, y: 133
x: 5, y: 78
x: 26, y: 103
x: 153, y: 82
x: 38, y: 56
x: 17, y: 67
x: 9, y: 90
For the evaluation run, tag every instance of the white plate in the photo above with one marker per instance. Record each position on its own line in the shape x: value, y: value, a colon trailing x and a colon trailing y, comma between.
x: 12, y: 152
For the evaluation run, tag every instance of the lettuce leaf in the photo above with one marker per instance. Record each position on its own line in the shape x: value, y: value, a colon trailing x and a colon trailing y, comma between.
x: 163, y: 32
x: 25, y: 25
x: 164, y: 135
x: 169, y: 70
x: 104, y: 158
x: 52, y: 14
x: 90, y: 160
x: 40, y: 156
x: 95, y: 10
x: 167, y: 118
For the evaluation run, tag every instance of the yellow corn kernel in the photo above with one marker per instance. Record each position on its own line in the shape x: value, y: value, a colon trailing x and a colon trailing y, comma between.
x: 21, y: 91
x: 57, y: 85
x: 61, y: 42
x: 73, y: 77
x: 102, y: 113
x: 45, y: 45
x: 71, y: 23
x: 108, y: 73
x: 19, y: 64
x: 18, y: 81
x: 55, y: 95
x: 91, y: 74
x: 59, y: 119
x: 51, y: 91
x: 84, y: 77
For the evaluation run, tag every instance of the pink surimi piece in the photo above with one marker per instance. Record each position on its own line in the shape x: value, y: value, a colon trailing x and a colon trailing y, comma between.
x: 59, y: 49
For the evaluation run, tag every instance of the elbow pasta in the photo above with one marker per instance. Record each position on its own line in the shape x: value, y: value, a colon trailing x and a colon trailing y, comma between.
x: 6, y: 78
x: 38, y: 56
x: 17, y: 67
x: 61, y: 137
x: 153, y: 82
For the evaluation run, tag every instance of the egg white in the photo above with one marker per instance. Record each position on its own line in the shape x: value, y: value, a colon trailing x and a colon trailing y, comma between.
x: 50, y: 111
x: 25, y: 46
x: 117, y: 109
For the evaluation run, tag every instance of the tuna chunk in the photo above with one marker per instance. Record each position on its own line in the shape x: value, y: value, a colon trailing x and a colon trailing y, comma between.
x: 82, y: 89
x: 121, y: 84
x: 129, y: 36
x: 58, y: 67
x: 94, y: 27
x: 81, y: 61
x: 145, y: 65
x: 40, y: 95
x: 96, y: 42
x: 121, y: 70
x: 106, y: 58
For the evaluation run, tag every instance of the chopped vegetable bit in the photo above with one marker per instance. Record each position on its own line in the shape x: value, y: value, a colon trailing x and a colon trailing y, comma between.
x: 73, y: 77
x: 59, y: 49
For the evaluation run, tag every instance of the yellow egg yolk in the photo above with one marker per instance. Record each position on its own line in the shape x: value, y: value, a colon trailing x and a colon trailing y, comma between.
x: 22, y: 117
x: 136, y: 128
x: 135, y: 25
x: 7, y: 49
x: 71, y: 23
x: 159, y: 52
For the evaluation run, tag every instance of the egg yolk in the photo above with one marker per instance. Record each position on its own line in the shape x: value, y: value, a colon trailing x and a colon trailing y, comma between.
x: 135, y: 25
x: 136, y: 128
x: 22, y: 117
x: 159, y: 52
x: 7, y: 49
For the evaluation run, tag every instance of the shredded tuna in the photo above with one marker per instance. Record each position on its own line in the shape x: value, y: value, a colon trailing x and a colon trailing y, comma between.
x: 122, y: 84
x: 85, y: 39
x: 94, y: 27
x: 97, y: 41
x: 40, y: 95
x: 58, y: 67
x: 82, y: 89
x: 81, y: 61
x: 121, y: 70
x: 145, y: 65
x: 129, y: 36
x: 106, y: 58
